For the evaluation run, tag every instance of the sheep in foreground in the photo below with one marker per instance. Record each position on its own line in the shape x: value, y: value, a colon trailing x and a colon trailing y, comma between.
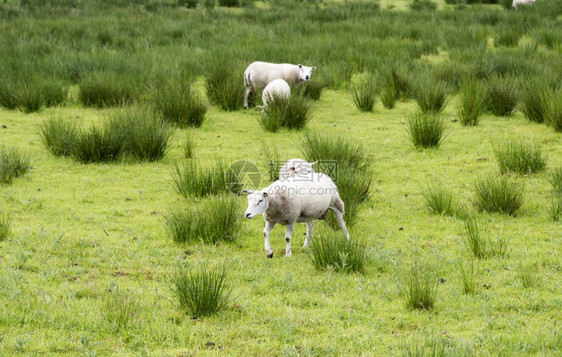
x: 259, y: 74
x: 277, y: 88
x: 297, y: 167
x: 295, y: 201
x: 515, y: 3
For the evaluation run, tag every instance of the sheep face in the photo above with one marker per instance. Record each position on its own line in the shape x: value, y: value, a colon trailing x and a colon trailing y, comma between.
x: 305, y: 72
x: 257, y: 203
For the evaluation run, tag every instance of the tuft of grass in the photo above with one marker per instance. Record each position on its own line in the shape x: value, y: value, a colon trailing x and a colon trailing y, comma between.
x: 201, y: 292
x: 58, y: 135
x: 499, y: 194
x: 179, y: 104
x: 331, y: 250
x: 145, y: 136
x: 291, y: 113
x: 191, y: 181
x: 534, y: 101
x: 423, y: 5
x: 388, y: 94
x: 13, y: 164
x: 519, y: 157
x: 430, y: 94
x: 468, y: 278
x: 555, y: 179
x: 211, y: 221
x: 478, y: 242
x: 310, y: 89
x: 120, y: 309
x: 365, y: 95
x: 528, y: 275
x: 341, y: 150
x: 189, y: 145
x: 224, y: 88
x: 426, y: 130
x: 554, y: 111
x: 105, y: 89
x: 471, y: 103
x: 439, y: 200
x: 5, y: 225
x: 98, y: 144
x: 502, y: 95
x: 417, y: 286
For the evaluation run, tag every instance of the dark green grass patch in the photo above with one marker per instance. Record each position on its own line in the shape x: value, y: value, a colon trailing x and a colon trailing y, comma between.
x: 224, y: 88
x: 310, y: 89
x: 519, y: 157
x: 364, y: 95
x: 534, y: 100
x: 13, y: 164
x: 426, y: 130
x: 342, y: 150
x: 429, y: 93
x: 211, y: 221
x: 106, y: 89
x: 192, y: 181
x: 179, y: 104
x: 555, y: 179
x: 331, y: 250
x: 58, y: 135
x: 291, y: 113
x: 554, y: 111
x: 201, y: 292
x: 502, y: 95
x: 499, y: 194
x: 471, y: 103
x: 98, y: 144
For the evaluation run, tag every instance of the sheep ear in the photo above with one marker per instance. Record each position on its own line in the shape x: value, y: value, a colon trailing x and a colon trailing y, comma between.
x: 300, y: 65
x: 248, y: 191
x: 313, y: 68
x: 314, y: 163
x: 264, y: 194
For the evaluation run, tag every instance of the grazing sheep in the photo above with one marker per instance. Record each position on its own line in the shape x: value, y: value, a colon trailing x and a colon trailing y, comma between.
x: 290, y: 201
x: 521, y: 2
x: 296, y: 167
x: 259, y: 74
x: 277, y: 88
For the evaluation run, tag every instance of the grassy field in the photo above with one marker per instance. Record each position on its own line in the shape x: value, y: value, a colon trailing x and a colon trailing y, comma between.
x: 87, y: 266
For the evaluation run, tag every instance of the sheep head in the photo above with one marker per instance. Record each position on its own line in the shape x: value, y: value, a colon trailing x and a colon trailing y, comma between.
x: 257, y: 203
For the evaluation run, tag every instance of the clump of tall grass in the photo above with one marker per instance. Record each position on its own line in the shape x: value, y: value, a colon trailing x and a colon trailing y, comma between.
x: 528, y: 275
x: 439, y: 200
x: 364, y: 95
x: 423, y: 5
x: 477, y: 240
x: 192, y: 181
x: 229, y: 3
x: 210, y: 221
x: 534, y: 101
x: 201, y: 292
x: 508, y: 37
x: 331, y: 250
x: 502, y: 95
x: 98, y: 144
x: 417, y: 285
x: 429, y: 93
x: 336, y: 149
x: 32, y: 94
x: 471, y: 103
x: 388, y: 93
x: 13, y: 164
x: 426, y: 130
x: 189, y: 146
x: 5, y: 225
x: 555, y: 179
x: 310, y: 89
x: 224, y: 88
x: 499, y: 194
x: 179, y: 104
x: 120, y: 309
x: 468, y: 278
x: 519, y: 157
x: 58, y: 135
x: 106, y: 89
x: 554, y: 110
x: 291, y: 113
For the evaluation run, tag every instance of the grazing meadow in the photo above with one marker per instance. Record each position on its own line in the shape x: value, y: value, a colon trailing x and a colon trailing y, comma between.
x: 124, y: 147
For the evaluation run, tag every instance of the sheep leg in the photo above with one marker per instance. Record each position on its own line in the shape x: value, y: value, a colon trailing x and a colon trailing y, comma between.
x: 268, y: 227
x: 246, y: 95
x: 309, y: 229
x: 341, y: 223
x: 288, y: 236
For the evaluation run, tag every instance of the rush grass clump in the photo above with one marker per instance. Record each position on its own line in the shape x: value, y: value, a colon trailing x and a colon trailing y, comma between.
x: 429, y: 93
x: 340, y: 150
x: 58, y: 135
x: 193, y: 181
x: 471, y: 103
x: 291, y: 113
x: 555, y: 179
x: 417, y: 285
x: 554, y: 110
x: 99, y: 143
x: 201, y: 292
x: 477, y: 240
x: 534, y: 101
x: 5, y: 225
x: 439, y: 200
x: 426, y: 130
x: 364, y: 95
x: 520, y: 157
x: 13, y: 164
x: 468, y: 278
x: 105, y: 89
x: 331, y: 250
x: 310, y: 89
x: 502, y: 95
x: 179, y: 104
x: 211, y: 221
x: 224, y: 88
x: 499, y: 194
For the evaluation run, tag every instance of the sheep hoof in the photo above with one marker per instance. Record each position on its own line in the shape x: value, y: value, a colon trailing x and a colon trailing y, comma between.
x: 270, y: 255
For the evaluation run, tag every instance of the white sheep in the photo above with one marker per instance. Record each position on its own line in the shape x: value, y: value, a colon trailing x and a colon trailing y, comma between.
x: 515, y: 3
x: 295, y: 201
x: 277, y: 88
x: 296, y: 167
x: 259, y: 74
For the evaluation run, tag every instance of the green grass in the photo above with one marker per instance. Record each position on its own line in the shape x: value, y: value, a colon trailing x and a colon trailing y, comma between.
x: 439, y: 200
x: 426, y: 130
x: 519, y: 156
x: 471, y: 103
x: 502, y: 95
x: 331, y: 250
x: 192, y: 181
x: 58, y: 135
x: 224, y: 88
x: 479, y: 243
x: 429, y: 93
x: 468, y: 278
x: 5, y: 225
x: 499, y: 194
x: 201, y: 292
x: 179, y: 104
x: 98, y: 144
x: 534, y: 101
x: 417, y: 286
x: 291, y: 113
x: 365, y: 95
x: 13, y: 164
x: 554, y: 111
x: 340, y: 149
